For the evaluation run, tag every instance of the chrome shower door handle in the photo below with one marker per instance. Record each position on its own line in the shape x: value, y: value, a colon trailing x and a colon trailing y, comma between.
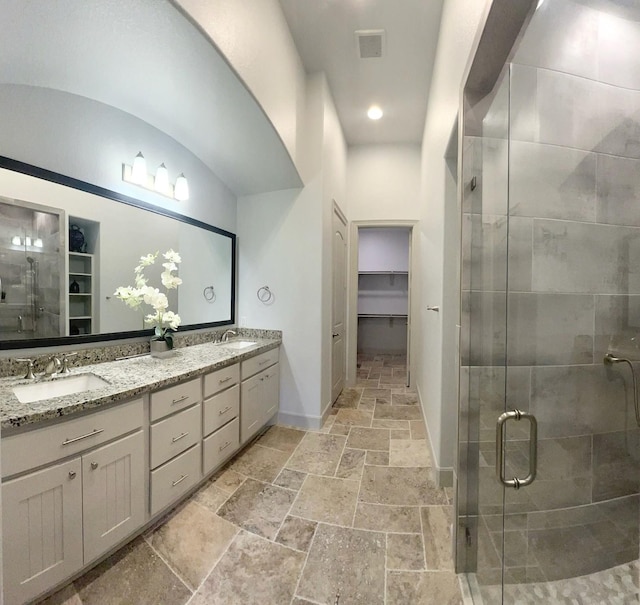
x: 517, y: 415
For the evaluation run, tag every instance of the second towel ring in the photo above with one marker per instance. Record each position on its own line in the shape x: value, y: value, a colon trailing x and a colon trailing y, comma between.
x: 264, y: 294
x: 209, y: 294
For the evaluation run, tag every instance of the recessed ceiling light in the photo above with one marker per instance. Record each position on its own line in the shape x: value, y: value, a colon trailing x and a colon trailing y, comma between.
x: 374, y: 113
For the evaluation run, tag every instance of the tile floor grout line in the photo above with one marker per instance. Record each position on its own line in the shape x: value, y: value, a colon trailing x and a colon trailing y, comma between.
x: 386, y: 567
x: 224, y: 552
x: 166, y: 562
x: 295, y: 591
x: 424, y: 541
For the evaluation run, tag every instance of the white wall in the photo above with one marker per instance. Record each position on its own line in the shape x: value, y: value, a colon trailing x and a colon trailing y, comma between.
x: 334, y: 162
x: 89, y: 141
x: 383, y: 182
x: 255, y: 38
x: 284, y: 241
x: 460, y: 21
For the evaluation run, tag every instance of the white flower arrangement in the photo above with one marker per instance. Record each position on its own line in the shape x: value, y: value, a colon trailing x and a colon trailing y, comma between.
x: 133, y: 296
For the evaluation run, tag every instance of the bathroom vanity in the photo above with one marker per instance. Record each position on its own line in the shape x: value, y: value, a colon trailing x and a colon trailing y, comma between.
x: 84, y: 473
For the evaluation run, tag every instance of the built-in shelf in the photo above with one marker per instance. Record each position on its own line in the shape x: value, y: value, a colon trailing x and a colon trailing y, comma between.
x: 384, y: 315
x: 383, y: 273
x: 82, y: 276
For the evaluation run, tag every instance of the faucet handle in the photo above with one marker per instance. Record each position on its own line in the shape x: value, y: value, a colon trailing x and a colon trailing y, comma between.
x: 65, y: 362
x: 29, y: 375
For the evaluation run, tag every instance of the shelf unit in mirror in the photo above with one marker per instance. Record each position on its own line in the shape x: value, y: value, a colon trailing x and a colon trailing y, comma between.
x: 82, y: 278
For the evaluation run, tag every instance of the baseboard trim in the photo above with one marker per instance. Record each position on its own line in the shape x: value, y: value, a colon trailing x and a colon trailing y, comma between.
x: 304, y: 422
x: 443, y: 476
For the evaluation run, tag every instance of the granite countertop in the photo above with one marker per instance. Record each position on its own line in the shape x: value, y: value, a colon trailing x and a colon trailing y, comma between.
x: 127, y: 378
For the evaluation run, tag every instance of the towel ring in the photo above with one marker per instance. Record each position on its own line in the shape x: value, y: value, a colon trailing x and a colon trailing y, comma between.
x: 209, y: 294
x: 264, y: 294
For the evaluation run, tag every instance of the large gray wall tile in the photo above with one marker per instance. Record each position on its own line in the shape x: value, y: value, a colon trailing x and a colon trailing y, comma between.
x: 563, y: 36
x: 616, y: 464
x: 618, y: 190
x: 550, y: 329
x: 578, y: 400
x: 520, y: 254
x: 617, y: 326
x: 581, y: 257
x: 483, y: 334
x: 619, y: 50
x: 547, y: 181
x: 485, y: 258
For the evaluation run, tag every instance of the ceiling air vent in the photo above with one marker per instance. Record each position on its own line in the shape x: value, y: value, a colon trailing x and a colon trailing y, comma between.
x: 370, y: 43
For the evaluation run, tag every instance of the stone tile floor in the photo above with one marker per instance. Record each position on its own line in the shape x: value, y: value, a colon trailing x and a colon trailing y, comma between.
x: 299, y: 517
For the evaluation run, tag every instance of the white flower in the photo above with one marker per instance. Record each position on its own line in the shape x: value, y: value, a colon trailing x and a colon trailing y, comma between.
x: 170, y: 281
x: 133, y: 297
x: 172, y: 256
x: 147, y: 260
x: 172, y: 319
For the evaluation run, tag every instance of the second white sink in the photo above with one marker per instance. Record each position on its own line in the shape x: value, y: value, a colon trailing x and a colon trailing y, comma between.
x: 238, y: 344
x: 28, y: 393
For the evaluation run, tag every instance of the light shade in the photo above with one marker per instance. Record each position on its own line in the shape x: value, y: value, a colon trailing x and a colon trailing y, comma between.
x: 139, y: 170
x: 181, y: 191
x: 374, y: 112
x: 161, y: 182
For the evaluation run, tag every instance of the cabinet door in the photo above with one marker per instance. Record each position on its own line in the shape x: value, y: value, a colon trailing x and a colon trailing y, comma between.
x: 113, y: 493
x: 42, y: 530
x: 251, y: 415
x: 270, y: 392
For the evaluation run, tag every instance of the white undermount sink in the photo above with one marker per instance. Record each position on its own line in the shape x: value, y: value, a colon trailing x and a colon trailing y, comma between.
x: 28, y: 393
x: 238, y: 344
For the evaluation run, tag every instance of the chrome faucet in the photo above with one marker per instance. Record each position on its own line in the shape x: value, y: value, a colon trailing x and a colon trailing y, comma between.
x: 65, y: 362
x: 29, y: 375
x: 53, y: 366
x: 225, y: 336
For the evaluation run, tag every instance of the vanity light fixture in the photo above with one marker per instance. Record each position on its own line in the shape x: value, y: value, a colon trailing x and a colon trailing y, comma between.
x: 139, y: 170
x: 374, y: 112
x: 161, y: 182
x: 137, y: 175
x: 38, y: 243
x: 16, y: 241
x: 182, y: 188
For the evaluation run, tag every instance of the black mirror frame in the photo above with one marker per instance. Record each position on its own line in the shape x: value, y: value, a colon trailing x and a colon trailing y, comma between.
x: 61, y: 179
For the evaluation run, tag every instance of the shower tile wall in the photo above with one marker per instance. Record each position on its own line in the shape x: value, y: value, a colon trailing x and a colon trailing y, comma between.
x: 574, y: 292
x: 16, y: 276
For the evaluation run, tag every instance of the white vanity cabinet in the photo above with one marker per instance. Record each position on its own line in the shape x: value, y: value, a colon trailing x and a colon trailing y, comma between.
x: 57, y: 519
x: 260, y: 392
x: 175, y: 435
x: 221, y: 408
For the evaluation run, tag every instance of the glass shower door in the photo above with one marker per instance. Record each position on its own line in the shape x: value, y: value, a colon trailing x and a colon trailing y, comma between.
x: 568, y: 243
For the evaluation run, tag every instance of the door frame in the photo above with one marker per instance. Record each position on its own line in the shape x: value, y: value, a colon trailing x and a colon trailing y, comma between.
x: 352, y: 294
x: 337, y: 211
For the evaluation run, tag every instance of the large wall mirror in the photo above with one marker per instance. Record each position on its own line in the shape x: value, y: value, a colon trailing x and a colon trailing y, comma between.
x: 65, y: 246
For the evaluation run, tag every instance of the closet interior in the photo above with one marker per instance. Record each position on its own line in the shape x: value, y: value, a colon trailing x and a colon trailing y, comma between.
x: 383, y: 290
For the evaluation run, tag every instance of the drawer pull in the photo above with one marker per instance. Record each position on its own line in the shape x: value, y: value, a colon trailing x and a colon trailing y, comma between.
x: 72, y: 474
x: 94, y: 466
x: 227, y: 379
x: 179, y: 480
x: 225, y: 446
x: 261, y: 363
x: 180, y: 399
x: 224, y: 411
x: 179, y: 437
x: 91, y: 434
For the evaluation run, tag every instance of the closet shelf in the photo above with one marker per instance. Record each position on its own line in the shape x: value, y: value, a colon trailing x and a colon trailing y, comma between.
x: 383, y: 273
x: 386, y: 315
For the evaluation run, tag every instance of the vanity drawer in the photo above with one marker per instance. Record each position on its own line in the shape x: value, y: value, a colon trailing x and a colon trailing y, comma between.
x: 219, y: 446
x: 259, y: 362
x: 175, y: 434
x: 41, y: 446
x: 175, y: 478
x: 221, y: 408
x: 221, y: 379
x: 174, y: 398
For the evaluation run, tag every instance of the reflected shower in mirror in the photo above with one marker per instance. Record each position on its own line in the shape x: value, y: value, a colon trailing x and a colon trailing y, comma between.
x: 65, y: 250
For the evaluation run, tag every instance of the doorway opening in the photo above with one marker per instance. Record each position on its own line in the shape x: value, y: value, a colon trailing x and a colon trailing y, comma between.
x: 383, y: 309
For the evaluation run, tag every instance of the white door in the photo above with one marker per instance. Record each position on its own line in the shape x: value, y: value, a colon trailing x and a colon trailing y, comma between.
x: 113, y: 494
x: 339, y: 300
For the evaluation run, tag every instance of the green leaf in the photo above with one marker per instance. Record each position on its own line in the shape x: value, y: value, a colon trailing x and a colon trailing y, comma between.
x: 168, y: 338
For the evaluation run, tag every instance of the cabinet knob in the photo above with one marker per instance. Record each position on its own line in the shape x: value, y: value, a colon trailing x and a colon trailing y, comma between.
x: 72, y: 474
x: 94, y: 465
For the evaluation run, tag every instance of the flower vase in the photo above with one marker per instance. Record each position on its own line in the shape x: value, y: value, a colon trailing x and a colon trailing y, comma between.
x: 160, y: 349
